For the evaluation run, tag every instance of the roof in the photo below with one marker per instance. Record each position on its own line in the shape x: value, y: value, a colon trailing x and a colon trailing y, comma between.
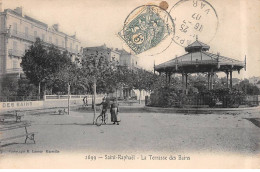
x: 102, y: 47
x: 35, y: 21
x: 197, y: 46
x: 38, y: 22
x: 26, y: 17
x: 124, y: 52
x: 202, y: 59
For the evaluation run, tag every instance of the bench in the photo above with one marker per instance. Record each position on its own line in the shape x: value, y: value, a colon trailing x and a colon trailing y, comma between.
x: 9, y: 127
x: 18, y: 117
x: 62, y: 111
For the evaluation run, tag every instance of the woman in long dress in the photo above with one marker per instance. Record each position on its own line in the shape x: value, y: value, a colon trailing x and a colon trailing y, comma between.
x: 114, y: 112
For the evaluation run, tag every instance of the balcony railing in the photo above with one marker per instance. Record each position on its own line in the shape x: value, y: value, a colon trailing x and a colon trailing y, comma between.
x: 14, y: 70
x: 16, y: 53
x: 22, y: 35
x: 4, y: 31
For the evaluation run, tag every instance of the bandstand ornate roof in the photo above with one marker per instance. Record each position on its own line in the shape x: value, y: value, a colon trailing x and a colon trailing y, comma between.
x: 198, y: 59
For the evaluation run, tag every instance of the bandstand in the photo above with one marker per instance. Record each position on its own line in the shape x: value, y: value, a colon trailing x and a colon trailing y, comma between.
x: 199, y: 60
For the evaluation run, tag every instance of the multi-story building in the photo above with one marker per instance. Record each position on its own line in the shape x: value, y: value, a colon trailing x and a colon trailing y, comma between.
x: 129, y: 60
x: 109, y: 53
x: 19, y: 31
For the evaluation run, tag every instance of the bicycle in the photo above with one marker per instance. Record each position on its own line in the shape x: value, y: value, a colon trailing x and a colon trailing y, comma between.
x: 101, y: 119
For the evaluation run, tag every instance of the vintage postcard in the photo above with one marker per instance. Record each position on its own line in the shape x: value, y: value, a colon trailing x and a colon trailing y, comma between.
x: 133, y: 84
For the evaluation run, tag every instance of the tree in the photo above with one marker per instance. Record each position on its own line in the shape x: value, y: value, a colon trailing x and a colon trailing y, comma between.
x: 68, y: 74
x: 142, y: 81
x: 25, y: 88
x: 120, y: 77
x: 247, y: 88
x: 35, y: 64
x: 199, y: 81
x: 41, y: 64
x: 9, y: 86
x: 95, y: 70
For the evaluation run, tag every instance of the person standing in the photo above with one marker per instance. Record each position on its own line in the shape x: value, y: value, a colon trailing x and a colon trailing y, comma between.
x: 85, y: 101
x: 114, y: 112
x: 105, y: 105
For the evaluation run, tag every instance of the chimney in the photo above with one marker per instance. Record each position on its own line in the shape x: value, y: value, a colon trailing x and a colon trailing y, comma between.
x: 19, y: 10
x: 56, y: 27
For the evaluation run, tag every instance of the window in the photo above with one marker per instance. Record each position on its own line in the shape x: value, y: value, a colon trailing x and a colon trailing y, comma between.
x: 76, y: 48
x: 15, y: 64
x: 50, y: 39
x: 57, y: 42
x: 26, y: 32
x: 27, y: 46
x: 63, y: 44
x: 14, y: 45
x: 35, y: 34
x: 15, y: 28
x: 70, y: 46
x: 43, y: 37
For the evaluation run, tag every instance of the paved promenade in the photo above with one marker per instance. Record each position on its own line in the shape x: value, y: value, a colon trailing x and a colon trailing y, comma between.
x: 235, y: 132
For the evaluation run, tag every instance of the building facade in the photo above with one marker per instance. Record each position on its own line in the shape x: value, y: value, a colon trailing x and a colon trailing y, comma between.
x: 19, y: 31
x: 129, y: 60
x: 109, y: 53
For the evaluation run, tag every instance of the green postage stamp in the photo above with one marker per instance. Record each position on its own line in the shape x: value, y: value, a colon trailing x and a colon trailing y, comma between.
x: 145, y: 27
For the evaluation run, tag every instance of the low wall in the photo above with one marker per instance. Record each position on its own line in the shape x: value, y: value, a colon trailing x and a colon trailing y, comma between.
x: 62, y: 100
x: 50, y: 101
x: 73, y: 98
x: 21, y: 105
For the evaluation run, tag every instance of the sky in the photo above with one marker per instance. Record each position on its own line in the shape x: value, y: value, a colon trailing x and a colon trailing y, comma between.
x: 97, y: 22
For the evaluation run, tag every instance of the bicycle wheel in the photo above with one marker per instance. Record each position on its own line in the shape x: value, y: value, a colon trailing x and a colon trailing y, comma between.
x: 99, y: 120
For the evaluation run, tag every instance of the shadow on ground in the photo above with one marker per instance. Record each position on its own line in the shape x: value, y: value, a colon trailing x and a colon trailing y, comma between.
x: 255, y: 121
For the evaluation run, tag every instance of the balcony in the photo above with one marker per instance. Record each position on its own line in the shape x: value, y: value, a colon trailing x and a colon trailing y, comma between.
x: 15, y: 53
x: 14, y: 71
x: 30, y: 38
x: 4, y: 31
x: 22, y: 35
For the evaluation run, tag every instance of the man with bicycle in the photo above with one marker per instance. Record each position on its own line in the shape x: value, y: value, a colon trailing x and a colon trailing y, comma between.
x: 105, y: 105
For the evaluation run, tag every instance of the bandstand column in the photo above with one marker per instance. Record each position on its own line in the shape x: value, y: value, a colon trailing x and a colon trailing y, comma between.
x: 183, y: 85
x: 186, y: 83
x: 231, y: 79
x: 169, y: 75
x: 227, y: 78
x: 130, y: 93
x: 127, y: 93
x: 208, y: 81
x: 211, y: 79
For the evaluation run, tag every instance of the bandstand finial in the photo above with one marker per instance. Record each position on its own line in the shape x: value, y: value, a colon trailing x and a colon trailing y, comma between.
x: 196, y: 37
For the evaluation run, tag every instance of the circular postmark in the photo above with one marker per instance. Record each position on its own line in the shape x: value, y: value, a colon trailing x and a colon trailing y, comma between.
x: 194, y: 19
x: 147, y: 27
